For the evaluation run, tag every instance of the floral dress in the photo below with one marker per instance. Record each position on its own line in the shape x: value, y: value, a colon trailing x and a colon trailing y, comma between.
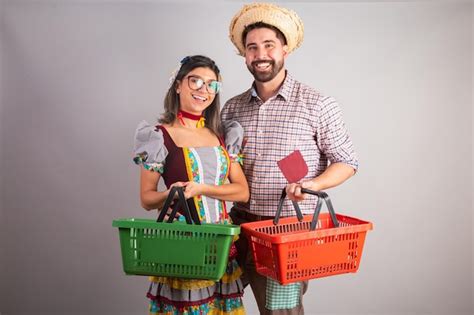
x: 157, y: 152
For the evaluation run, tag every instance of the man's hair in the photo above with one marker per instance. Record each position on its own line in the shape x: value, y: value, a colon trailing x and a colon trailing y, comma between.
x: 257, y: 25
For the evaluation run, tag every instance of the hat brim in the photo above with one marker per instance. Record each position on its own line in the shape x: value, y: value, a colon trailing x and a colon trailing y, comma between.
x: 287, y: 21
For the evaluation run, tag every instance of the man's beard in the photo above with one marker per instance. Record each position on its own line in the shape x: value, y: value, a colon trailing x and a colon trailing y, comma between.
x: 266, y: 76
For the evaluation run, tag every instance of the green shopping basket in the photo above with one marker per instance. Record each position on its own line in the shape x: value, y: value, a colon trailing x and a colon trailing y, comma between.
x: 175, y: 249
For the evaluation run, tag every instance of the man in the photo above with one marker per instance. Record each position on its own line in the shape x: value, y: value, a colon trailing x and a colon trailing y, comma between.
x: 280, y: 115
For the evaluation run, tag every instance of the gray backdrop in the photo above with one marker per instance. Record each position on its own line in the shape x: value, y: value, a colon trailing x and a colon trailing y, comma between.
x: 77, y: 76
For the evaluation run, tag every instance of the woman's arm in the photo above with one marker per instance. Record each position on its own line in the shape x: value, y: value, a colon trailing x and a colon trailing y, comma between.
x: 149, y: 196
x: 236, y: 190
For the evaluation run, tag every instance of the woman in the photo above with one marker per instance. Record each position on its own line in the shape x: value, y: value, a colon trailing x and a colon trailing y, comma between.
x: 187, y: 150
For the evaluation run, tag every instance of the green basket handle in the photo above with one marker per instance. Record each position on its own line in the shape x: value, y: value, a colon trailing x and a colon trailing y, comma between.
x: 181, y: 202
x: 324, y: 196
x: 280, y: 207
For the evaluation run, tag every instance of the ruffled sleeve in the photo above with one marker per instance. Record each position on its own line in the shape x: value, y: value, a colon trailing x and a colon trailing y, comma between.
x: 149, y: 147
x: 234, y: 135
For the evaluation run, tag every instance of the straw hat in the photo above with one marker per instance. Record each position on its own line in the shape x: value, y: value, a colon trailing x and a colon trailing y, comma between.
x: 285, y: 20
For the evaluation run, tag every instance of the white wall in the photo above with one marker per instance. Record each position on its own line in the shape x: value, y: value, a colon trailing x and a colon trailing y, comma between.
x: 472, y: 146
x: 2, y: 235
x: 79, y: 75
x: 2, y: 255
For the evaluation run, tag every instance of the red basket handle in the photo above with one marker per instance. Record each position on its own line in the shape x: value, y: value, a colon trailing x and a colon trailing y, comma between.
x: 280, y: 207
x: 181, y: 202
x: 324, y: 196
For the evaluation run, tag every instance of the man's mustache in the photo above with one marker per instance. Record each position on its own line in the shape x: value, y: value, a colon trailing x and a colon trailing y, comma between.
x: 271, y: 62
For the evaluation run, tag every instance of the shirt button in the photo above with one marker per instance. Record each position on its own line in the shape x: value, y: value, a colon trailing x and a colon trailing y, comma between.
x: 252, y: 201
x: 260, y: 131
x: 259, y: 154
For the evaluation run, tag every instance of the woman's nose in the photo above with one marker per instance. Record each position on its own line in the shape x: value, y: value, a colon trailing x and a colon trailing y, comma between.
x: 203, y: 88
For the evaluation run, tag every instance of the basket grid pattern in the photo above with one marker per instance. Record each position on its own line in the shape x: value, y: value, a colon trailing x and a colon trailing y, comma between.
x: 325, y: 223
x: 210, y: 256
x: 306, y: 258
x: 293, y: 271
x: 177, y: 249
x: 294, y: 249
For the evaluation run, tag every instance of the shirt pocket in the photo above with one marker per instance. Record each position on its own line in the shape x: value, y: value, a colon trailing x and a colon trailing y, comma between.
x: 284, y: 136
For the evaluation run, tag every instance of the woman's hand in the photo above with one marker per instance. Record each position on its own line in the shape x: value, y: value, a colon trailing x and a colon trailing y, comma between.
x: 177, y: 184
x: 193, y: 189
x: 175, y: 197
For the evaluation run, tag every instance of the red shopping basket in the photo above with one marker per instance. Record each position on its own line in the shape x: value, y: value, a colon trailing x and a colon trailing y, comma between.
x: 307, y: 247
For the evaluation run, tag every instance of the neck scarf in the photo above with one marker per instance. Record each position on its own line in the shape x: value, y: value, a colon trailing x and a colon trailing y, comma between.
x: 199, y: 118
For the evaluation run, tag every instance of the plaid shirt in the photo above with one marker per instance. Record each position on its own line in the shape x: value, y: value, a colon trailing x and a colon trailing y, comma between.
x: 297, y: 117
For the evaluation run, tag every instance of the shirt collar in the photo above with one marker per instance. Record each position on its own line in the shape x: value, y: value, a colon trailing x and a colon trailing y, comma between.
x: 284, y: 91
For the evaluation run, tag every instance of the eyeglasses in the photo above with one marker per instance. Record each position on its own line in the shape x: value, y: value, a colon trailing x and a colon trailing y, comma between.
x: 195, y: 83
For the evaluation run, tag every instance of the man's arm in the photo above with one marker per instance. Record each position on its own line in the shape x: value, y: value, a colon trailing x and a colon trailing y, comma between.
x: 333, y: 140
x: 334, y: 175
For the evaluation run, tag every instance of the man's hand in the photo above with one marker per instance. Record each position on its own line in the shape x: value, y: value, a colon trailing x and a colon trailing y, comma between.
x: 293, y: 191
